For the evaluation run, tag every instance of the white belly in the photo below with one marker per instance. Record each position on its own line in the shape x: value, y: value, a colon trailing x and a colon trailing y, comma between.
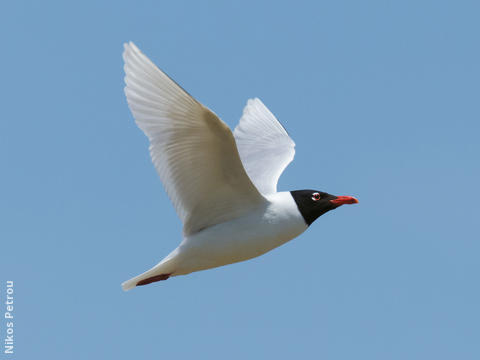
x: 241, y: 239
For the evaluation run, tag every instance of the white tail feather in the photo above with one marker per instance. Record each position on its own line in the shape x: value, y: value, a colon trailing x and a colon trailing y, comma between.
x: 164, y: 267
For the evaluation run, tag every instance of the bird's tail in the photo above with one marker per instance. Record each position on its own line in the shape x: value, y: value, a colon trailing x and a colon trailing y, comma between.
x: 161, y: 271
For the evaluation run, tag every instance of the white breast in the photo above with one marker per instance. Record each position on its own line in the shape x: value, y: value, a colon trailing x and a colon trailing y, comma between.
x: 262, y: 230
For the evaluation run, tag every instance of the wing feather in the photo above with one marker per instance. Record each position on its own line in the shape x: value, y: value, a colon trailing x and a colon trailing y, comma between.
x: 264, y: 145
x: 193, y: 151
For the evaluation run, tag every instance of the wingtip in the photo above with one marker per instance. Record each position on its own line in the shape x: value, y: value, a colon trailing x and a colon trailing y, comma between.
x: 253, y: 100
x: 126, y: 49
x: 130, y: 46
x: 134, y: 47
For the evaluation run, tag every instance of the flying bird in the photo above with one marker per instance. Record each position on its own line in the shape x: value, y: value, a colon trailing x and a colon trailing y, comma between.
x: 223, y: 185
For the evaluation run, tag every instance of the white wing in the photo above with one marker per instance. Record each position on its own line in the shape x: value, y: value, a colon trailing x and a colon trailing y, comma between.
x: 193, y: 151
x: 264, y: 146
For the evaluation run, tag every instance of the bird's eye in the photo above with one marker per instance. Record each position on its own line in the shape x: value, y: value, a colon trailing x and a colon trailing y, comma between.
x: 316, y: 196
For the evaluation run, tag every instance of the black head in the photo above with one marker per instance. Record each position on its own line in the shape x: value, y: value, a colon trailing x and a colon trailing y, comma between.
x: 313, y: 203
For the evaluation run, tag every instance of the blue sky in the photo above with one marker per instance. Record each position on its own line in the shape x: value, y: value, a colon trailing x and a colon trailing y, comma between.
x: 381, y: 98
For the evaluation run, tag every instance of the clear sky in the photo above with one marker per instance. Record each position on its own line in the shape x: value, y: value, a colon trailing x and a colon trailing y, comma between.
x: 382, y: 100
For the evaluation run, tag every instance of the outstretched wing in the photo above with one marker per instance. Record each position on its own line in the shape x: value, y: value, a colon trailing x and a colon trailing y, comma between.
x: 193, y: 151
x: 264, y: 146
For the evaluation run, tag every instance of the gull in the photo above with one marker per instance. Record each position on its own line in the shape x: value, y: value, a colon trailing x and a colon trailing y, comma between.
x: 223, y: 185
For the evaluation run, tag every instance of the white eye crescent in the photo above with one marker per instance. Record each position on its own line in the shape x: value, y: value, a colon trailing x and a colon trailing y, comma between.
x: 316, y: 196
